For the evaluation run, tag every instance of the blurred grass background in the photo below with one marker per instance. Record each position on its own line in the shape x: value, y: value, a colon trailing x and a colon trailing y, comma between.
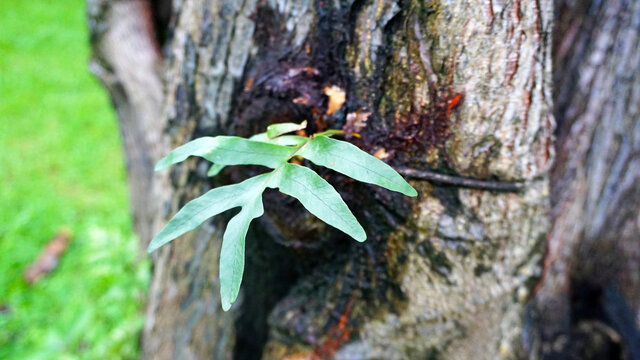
x: 61, y: 165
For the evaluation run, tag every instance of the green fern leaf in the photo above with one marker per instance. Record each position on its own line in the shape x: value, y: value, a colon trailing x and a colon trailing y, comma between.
x: 229, y: 150
x: 319, y: 197
x: 214, y: 202
x: 274, y: 150
x: 349, y: 160
x: 232, y: 252
x: 276, y: 130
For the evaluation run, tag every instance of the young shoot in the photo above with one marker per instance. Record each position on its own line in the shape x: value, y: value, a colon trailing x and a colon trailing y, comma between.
x: 273, y: 149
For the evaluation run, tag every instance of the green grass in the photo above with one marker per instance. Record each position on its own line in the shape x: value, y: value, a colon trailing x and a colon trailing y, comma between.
x: 61, y: 165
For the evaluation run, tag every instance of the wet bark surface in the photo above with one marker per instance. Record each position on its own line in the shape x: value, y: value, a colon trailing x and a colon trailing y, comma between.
x: 458, y: 91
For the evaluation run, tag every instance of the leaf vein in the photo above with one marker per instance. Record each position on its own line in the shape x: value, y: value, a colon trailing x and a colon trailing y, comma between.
x: 363, y: 167
x: 314, y: 194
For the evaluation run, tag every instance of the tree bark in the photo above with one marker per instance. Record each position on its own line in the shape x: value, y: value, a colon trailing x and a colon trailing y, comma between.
x: 456, y: 95
x: 589, y: 300
x: 127, y: 59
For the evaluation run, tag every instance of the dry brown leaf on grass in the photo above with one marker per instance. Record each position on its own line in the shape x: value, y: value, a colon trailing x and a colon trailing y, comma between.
x: 48, y: 259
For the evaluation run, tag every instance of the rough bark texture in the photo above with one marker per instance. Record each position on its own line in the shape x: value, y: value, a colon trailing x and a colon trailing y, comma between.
x: 590, y: 298
x: 452, y: 87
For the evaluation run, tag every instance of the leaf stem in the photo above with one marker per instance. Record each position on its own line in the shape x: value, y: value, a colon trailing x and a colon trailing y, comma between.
x: 275, y: 171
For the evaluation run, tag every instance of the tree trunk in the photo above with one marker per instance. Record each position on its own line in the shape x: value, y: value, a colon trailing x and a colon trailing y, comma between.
x: 127, y: 59
x: 456, y: 95
x: 589, y: 300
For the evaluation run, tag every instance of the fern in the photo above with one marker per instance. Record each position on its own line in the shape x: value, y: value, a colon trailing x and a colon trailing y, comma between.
x: 272, y: 149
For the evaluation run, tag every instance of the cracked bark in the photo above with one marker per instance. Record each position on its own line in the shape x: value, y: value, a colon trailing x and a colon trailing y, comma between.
x: 452, y: 88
